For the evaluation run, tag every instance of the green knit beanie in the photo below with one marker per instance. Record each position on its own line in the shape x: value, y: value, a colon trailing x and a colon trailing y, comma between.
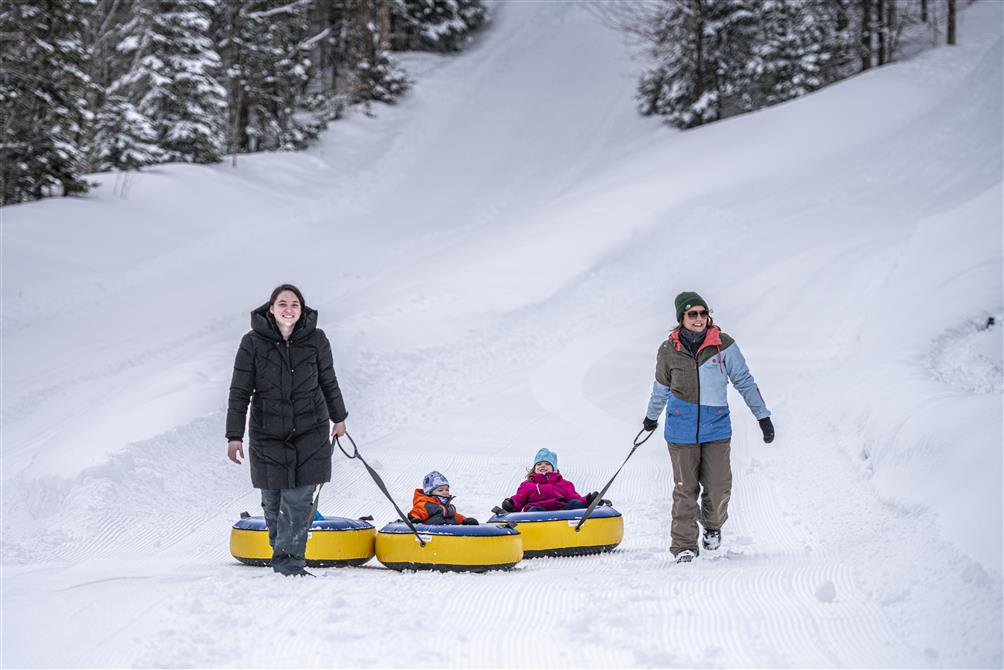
x: 685, y: 301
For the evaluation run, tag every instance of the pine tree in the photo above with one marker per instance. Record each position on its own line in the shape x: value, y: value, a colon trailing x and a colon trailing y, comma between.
x: 700, y: 49
x: 266, y: 45
x: 798, y: 50
x: 173, y: 79
x: 678, y: 86
x: 435, y: 25
x: 715, y: 58
x: 43, y: 88
x: 123, y: 138
x: 732, y: 32
x: 376, y: 76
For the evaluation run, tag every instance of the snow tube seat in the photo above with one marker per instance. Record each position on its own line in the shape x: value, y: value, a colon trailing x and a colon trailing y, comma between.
x: 449, y: 548
x: 553, y: 533
x: 332, y: 542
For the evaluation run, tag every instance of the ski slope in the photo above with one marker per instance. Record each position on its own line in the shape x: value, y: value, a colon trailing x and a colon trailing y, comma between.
x: 494, y: 260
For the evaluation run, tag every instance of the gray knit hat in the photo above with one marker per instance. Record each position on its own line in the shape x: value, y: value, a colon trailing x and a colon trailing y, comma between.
x: 687, y: 300
x: 432, y: 480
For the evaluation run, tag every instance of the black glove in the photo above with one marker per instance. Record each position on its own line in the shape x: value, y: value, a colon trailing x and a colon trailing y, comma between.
x: 414, y: 519
x: 508, y: 505
x: 590, y: 497
x: 768, y: 429
x: 470, y: 521
x: 650, y: 424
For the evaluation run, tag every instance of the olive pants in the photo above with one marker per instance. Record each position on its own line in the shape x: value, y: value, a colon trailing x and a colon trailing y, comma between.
x: 699, y: 470
x: 288, y: 517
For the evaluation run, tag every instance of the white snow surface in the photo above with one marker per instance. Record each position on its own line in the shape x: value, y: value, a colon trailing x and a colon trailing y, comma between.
x: 495, y: 260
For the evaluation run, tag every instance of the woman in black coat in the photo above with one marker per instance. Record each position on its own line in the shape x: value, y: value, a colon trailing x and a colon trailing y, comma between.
x: 284, y: 370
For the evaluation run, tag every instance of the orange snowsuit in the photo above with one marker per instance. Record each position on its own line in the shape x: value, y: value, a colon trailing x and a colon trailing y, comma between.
x: 431, y: 510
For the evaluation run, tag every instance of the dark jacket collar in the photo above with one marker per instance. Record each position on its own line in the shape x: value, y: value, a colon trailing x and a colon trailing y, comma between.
x: 263, y: 323
x: 712, y: 338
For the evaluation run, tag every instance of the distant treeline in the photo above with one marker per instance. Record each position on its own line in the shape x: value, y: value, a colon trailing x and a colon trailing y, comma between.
x: 711, y: 59
x: 96, y: 85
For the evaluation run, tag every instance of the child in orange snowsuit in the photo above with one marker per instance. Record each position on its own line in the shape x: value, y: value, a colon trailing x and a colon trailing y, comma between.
x: 431, y: 504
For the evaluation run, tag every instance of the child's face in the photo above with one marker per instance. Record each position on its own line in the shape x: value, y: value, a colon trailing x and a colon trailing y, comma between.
x: 441, y: 490
x: 543, y: 468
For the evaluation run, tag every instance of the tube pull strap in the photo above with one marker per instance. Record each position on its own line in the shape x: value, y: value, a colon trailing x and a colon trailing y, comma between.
x: 379, y: 482
x: 598, y: 498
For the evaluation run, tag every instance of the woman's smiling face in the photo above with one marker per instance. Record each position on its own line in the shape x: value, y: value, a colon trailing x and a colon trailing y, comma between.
x: 696, y: 319
x: 286, y: 309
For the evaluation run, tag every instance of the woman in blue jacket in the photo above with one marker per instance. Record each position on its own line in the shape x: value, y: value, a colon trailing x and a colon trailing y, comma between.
x: 693, y: 368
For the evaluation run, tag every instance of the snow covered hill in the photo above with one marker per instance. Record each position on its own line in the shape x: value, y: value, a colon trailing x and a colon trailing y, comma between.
x: 495, y: 260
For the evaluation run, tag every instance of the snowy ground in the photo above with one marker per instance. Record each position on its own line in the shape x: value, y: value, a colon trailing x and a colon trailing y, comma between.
x: 495, y: 260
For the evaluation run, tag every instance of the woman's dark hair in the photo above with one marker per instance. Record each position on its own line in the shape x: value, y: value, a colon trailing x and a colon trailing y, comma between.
x: 286, y: 287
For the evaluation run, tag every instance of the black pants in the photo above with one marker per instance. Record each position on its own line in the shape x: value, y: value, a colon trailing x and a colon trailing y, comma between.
x: 288, y: 517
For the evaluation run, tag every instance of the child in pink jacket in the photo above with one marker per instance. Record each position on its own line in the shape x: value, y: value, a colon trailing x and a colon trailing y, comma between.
x: 545, y: 489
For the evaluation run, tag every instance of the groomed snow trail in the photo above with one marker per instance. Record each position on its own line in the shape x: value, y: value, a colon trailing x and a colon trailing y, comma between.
x: 495, y: 261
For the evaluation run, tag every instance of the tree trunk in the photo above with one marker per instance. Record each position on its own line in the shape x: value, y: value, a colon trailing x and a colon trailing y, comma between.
x: 384, y: 13
x: 923, y: 11
x: 951, y: 22
x: 866, y: 34
x: 881, y: 30
x: 890, y: 29
x: 699, y: 34
x: 366, y: 23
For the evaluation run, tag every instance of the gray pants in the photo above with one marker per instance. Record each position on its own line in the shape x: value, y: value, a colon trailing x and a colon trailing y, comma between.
x: 699, y: 470
x: 288, y: 515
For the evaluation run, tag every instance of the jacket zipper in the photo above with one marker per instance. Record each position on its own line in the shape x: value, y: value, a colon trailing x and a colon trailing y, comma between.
x: 697, y: 370
x: 289, y: 398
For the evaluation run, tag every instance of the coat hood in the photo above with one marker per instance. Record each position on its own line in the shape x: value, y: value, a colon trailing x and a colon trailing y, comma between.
x: 712, y: 338
x: 263, y: 323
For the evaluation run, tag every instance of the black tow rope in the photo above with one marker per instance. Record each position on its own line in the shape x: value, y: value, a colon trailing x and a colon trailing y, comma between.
x: 313, y: 505
x: 599, y: 496
x: 379, y: 482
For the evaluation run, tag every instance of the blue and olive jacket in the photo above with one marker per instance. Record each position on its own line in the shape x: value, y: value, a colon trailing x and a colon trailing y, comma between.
x: 695, y: 388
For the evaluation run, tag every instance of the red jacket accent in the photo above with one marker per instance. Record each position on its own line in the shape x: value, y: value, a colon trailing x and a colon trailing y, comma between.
x: 711, y: 339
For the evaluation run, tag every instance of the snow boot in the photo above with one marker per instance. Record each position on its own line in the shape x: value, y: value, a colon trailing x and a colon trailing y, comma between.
x: 712, y: 539
x: 685, y: 556
x: 299, y: 573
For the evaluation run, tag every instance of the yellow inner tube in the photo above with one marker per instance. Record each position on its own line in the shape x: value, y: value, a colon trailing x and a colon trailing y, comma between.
x: 333, y: 542
x: 449, y: 548
x: 553, y: 533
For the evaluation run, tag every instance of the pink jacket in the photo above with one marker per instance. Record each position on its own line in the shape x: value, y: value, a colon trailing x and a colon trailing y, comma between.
x: 549, y: 491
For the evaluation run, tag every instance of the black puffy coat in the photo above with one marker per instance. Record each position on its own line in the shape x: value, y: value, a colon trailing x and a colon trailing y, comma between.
x: 293, y: 392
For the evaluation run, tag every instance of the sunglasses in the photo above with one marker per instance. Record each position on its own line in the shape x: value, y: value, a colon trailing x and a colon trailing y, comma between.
x: 698, y: 314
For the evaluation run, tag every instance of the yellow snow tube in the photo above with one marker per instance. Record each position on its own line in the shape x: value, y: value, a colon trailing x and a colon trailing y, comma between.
x: 553, y: 533
x: 449, y: 548
x: 331, y: 542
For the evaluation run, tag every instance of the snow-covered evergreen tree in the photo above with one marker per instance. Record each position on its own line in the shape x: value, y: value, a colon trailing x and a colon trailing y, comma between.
x: 123, y: 138
x: 797, y: 51
x: 700, y: 49
x: 435, y: 25
x: 715, y: 58
x: 731, y: 32
x: 677, y: 86
x: 173, y: 78
x: 43, y: 88
x: 266, y: 45
x: 375, y: 74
